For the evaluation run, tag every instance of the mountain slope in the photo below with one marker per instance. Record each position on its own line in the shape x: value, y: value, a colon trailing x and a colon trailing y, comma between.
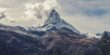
x: 57, y: 42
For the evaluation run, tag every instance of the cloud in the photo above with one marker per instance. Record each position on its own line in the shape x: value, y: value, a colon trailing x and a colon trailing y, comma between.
x: 87, y: 15
x: 41, y: 10
x: 96, y: 7
x: 2, y: 13
x: 94, y: 12
x: 34, y: 12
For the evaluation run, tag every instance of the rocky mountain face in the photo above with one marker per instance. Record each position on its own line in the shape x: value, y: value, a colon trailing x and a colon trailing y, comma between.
x: 55, y: 37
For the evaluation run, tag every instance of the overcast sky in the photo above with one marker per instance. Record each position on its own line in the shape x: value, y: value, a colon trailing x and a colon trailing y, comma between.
x: 84, y: 15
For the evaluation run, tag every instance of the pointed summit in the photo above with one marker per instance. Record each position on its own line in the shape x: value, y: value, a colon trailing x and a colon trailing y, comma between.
x: 54, y: 14
x: 54, y: 21
x: 53, y: 18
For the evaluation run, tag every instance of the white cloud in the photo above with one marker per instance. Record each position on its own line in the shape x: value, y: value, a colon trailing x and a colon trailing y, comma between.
x: 2, y: 10
x: 41, y: 10
x: 2, y: 13
x: 35, y: 13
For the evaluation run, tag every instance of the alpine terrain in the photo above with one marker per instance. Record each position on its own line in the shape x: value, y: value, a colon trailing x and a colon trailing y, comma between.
x: 55, y: 37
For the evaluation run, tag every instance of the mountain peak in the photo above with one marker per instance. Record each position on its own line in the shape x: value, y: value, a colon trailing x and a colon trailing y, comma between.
x: 53, y: 18
x: 54, y: 21
x: 54, y: 14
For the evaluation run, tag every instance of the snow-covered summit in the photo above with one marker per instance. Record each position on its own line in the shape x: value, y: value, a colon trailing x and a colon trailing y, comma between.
x: 54, y: 20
